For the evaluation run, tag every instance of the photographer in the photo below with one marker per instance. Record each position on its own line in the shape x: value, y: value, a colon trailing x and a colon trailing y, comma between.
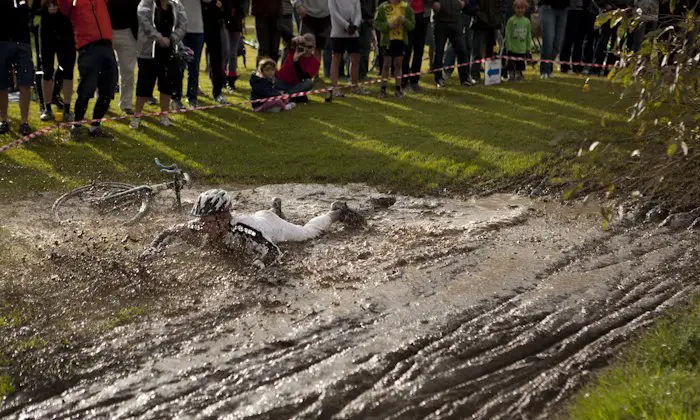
x: 162, y: 26
x: 300, y: 67
x: 346, y: 17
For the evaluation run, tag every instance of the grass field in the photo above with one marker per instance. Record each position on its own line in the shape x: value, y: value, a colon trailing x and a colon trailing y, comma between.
x: 657, y: 377
x: 447, y: 138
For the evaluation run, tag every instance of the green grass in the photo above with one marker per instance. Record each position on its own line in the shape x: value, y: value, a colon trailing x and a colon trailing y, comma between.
x: 656, y: 378
x: 6, y: 386
x: 446, y: 138
x: 125, y: 316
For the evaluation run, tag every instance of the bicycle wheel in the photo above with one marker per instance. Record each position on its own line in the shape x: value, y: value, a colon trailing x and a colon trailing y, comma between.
x: 93, y: 203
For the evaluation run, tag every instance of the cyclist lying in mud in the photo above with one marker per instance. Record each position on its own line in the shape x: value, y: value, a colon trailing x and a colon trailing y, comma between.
x: 260, y: 232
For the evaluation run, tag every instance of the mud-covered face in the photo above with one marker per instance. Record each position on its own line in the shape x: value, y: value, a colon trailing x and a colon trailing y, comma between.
x: 217, y: 224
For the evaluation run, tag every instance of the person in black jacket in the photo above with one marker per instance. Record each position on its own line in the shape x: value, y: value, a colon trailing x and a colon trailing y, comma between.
x: 608, y: 35
x: 55, y: 40
x: 15, y: 50
x: 122, y: 14
x: 488, y: 18
x: 214, y: 15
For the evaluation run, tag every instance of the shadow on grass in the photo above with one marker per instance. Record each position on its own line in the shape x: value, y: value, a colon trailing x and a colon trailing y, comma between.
x: 428, y: 139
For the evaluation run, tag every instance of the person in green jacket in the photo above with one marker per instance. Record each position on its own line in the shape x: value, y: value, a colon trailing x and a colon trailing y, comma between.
x: 518, y: 39
x: 394, y: 20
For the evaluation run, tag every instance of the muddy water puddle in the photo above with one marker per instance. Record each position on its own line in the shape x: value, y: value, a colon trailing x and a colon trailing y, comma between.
x: 438, y: 308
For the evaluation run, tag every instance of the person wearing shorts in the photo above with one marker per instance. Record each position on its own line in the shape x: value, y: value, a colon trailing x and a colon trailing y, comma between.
x: 346, y: 18
x: 395, y: 19
x: 315, y: 20
x: 162, y: 26
x: 15, y: 51
x: 56, y: 41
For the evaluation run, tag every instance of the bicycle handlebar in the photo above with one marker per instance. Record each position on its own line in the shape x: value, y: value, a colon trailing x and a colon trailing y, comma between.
x: 170, y: 169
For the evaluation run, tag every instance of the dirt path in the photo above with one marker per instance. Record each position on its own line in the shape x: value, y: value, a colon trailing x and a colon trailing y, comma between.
x: 493, y: 308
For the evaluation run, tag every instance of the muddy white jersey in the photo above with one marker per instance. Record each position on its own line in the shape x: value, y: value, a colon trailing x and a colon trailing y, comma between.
x: 277, y: 230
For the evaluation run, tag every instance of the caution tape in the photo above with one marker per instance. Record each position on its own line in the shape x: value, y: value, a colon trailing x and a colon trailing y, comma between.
x: 283, y: 97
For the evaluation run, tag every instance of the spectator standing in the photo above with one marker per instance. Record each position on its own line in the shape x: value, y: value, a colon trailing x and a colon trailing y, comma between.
x: 346, y: 18
x: 488, y: 19
x: 394, y: 21
x: 649, y: 21
x: 301, y: 66
x: 194, y: 39
x: 574, y: 36
x: 15, y: 49
x: 553, y: 16
x: 369, y: 9
x: 448, y: 26
x: 518, y: 39
x: 416, y: 44
x: 162, y: 26
x: 315, y: 20
x: 234, y: 28
x: 267, y: 20
x: 96, y: 62
x: 122, y: 14
x: 286, y: 21
x: 213, y: 17
x: 56, y: 41
x: 608, y: 35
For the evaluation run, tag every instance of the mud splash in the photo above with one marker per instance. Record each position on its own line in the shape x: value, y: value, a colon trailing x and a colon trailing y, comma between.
x: 439, y: 308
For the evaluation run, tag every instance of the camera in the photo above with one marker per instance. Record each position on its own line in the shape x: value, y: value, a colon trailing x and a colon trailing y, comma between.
x: 300, y: 48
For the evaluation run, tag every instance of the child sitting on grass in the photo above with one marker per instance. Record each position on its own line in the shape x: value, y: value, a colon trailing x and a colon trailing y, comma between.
x: 394, y: 21
x: 262, y: 85
x: 518, y: 39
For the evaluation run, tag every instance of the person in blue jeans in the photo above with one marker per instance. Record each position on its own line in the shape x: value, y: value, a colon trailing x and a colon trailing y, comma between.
x: 194, y: 39
x: 553, y: 16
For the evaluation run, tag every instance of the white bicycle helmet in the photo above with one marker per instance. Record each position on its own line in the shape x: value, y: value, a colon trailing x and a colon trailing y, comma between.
x: 211, y: 202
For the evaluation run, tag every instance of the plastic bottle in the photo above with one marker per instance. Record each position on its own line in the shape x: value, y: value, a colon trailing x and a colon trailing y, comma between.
x: 586, y: 85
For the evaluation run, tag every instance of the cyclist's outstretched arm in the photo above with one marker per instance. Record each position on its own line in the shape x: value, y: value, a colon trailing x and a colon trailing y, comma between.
x: 160, y: 241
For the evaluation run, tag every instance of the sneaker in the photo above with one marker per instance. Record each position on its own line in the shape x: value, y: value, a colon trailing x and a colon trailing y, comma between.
x: 165, y: 121
x: 75, y: 132
x: 192, y: 103
x: 221, y: 100
x: 135, y: 123
x: 447, y: 74
x: 440, y: 83
x: 151, y: 101
x: 176, y: 105
x: 469, y: 81
x: 47, y: 115
x: 407, y: 88
x: 68, y: 117
x: 25, y: 129
x: 4, y: 127
x: 128, y: 111
x: 382, y: 94
x: 543, y: 76
x: 586, y: 71
x: 99, y: 133
x: 290, y: 106
x: 399, y: 94
x: 338, y: 93
x: 415, y: 87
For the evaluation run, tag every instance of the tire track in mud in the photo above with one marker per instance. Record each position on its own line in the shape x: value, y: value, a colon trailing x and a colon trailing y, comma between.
x: 517, y: 354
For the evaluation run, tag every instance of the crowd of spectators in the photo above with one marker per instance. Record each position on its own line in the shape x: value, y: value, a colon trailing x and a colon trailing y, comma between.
x: 129, y: 46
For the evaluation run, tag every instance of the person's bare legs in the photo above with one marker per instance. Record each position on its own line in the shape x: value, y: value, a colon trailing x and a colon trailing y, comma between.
x: 398, y: 62
x: 24, y: 99
x: 164, y: 102
x: 4, y: 101
x: 355, y: 68
x: 67, y: 91
x: 47, y: 86
x: 335, y: 69
x: 386, y: 71
x: 140, y: 102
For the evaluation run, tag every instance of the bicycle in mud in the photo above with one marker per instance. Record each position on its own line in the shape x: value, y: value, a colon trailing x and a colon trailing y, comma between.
x: 116, y: 202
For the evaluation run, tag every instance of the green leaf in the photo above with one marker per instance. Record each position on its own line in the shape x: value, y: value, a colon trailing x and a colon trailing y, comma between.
x: 671, y: 150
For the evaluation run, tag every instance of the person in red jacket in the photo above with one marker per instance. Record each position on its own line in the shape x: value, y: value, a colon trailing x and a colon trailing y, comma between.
x: 96, y: 62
